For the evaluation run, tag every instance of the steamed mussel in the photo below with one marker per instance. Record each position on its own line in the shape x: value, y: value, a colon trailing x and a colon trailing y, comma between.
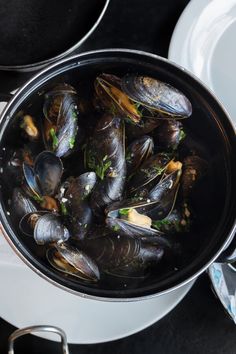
x: 141, y: 96
x: 117, y: 205
x: 60, y: 126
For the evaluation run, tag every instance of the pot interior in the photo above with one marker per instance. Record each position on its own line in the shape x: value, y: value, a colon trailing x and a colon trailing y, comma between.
x: 208, y: 132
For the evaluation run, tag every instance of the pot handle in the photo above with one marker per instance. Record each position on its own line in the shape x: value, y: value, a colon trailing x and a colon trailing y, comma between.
x: 35, y: 329
x: 229, y: 254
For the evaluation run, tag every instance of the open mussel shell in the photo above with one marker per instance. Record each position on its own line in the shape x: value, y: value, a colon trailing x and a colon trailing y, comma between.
x: 73, y: 261
x: 108, y: 91
x: 28, y: 222
x: 164, y: 194
x: 137, y: 152
x: 21, y: 204
x: 165, y: 186
x: 61, y: 124
x: 32, y: 186
x: 156, y: 95
x: 123, y: 256
x: 139, y: 226
x: 49, y: 228
x: 48, y: 170
x: 149, y: 172
x: 12, y: 165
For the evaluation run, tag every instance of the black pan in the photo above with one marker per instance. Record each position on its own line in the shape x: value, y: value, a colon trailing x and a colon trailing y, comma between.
x: 35, y: 33
x: 210, y: 131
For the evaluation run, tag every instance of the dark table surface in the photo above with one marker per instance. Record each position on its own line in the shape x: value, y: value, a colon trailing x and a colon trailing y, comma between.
x: 198, y: 324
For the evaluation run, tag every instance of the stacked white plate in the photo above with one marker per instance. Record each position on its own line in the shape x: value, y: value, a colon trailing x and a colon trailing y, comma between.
x: 204, y: 43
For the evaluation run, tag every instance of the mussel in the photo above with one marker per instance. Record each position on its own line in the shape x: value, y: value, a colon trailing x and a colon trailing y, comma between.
x: 70, y: 260
x: 42, y: 180
x: 137, y: 152
x: 106, y: 156
x: 142, y: 96
x: 128, y: 218
x: 61, y: 119
x: 75, y: 205
x: 156, y: 95
x: 169, y: 134
x: 164, y: 194
x: 44, y: 227
x: 21, y: 204
x: 122, y: 256
x: 148, y: 174
x: 12, y: 165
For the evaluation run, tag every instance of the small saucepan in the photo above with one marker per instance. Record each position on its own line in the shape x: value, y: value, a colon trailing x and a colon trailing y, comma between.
x: 211, y: 129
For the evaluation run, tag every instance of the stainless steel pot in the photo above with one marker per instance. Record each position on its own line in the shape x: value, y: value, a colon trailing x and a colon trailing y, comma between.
x: 211, y: 128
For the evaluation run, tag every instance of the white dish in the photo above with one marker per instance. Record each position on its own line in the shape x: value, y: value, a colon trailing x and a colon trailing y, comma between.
x: 26, y: 299
x: 204, y: 43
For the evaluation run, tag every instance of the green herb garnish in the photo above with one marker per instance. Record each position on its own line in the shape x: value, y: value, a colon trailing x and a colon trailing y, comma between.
x: 160, y: 223
x: 64, y: 210
x: 115, y: 228
x: 55, y: 140
x: 159, y: 170
x: 182, y: 135
x: 72, y: 142
x: 37, y: 198
x: 74, y: 115
x: 128, y: 156
x: 124, y: 211
x: 102, y: 168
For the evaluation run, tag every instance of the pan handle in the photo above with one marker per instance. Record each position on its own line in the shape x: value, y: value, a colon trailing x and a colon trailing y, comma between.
x: 27, y: 330
x: 229, y: 254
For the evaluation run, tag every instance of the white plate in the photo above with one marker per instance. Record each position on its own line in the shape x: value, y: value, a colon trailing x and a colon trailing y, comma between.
x: 26, y: 299
x: 204, y: 43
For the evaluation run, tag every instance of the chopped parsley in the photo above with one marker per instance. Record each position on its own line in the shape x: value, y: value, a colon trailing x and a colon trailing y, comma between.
x: 72, y: 142
x: 115, y: 228
x: 101, y: 169
x: 37, y: 198
x: 160, y: 223
x: 64, y: 209
x: 74, y: 115
x: 159, y: 170
x: 128, y: 156
x: 182, y: 135
x: 124, y: 211
x: 55, y: 140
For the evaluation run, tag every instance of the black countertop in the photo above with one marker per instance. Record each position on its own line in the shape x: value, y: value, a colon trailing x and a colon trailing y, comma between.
x: 198, y: 324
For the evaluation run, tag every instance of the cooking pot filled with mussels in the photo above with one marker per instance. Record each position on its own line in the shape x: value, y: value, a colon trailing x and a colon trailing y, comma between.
x: 117, y: 171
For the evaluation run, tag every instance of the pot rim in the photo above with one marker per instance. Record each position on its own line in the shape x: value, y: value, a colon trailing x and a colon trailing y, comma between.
x: 40, y: 64
x: 44, y: 276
